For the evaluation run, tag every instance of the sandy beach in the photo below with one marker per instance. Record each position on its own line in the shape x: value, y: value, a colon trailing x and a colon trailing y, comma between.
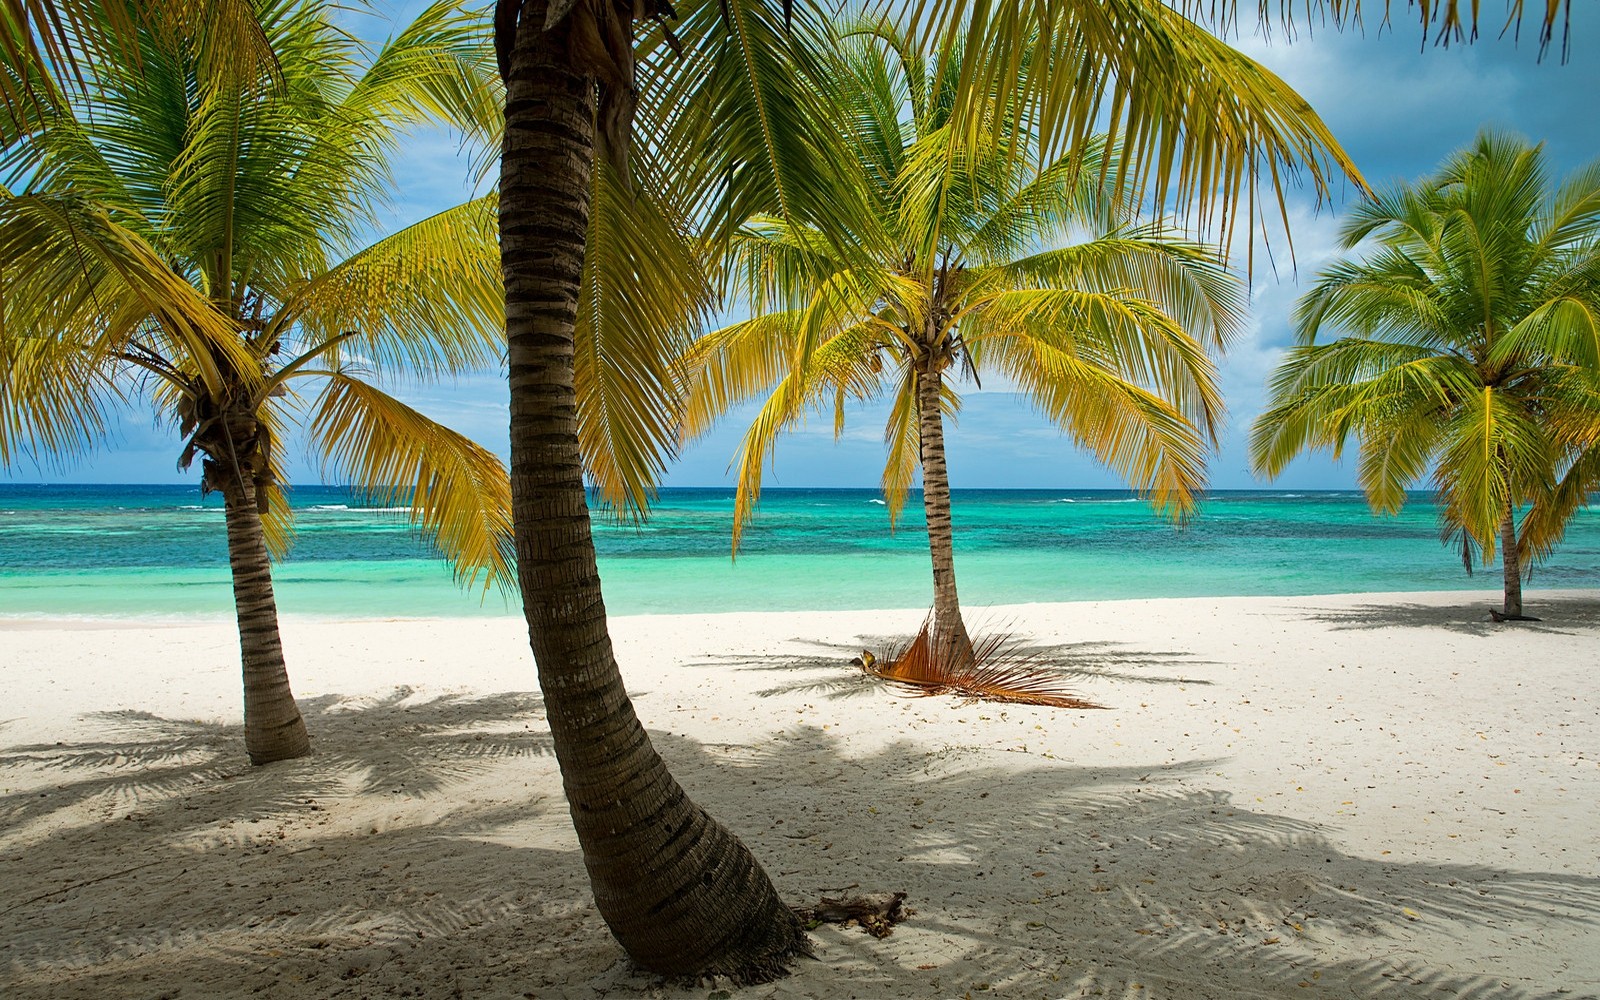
x: 1376, y: 795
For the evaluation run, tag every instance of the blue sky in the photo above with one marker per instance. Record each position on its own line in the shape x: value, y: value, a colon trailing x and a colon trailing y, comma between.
x: 1397, y: 106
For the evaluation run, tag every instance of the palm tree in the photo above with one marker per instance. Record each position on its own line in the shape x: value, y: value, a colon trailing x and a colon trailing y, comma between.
x: 729, y: 126
x: 1470, y: 347
x: 190, y: 237
x: 974, y: 275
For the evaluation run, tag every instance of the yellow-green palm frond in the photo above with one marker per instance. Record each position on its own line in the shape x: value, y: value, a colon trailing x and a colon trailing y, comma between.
x: 1077, y: 190
x: 644, y: 294
x: 1136, y: 433
x: 1380, y: 390
x: 1122, y: 335
x: 72, y: 272
x: 1546, y: 521
x: 426, y: 300
x: 1188, y: 281
x: 769, y: 263
x: 745, y: 110
x: 1195, y: 120
x: 1495, y: 454
x: 224, y: 38
x: 1386, y: 298
x: 732, y: 364
x: 457, y: 492
x: 54, y: 397
x: 439, y: 68
x: 61, y: 42
x: 1562, y: 330
x: 847, y: 366
x: 902, y: 437
x: 784, y: 407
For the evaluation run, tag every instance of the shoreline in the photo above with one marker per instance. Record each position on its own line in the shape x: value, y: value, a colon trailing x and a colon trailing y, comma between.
x: 1485, y: 596
x: 1379, y: 795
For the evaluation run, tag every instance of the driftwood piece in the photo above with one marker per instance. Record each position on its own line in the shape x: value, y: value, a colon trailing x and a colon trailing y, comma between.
x: 876, y: 912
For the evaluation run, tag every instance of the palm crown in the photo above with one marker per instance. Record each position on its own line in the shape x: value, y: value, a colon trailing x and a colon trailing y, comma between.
x: 196, y: 237
x: 1470, y: 349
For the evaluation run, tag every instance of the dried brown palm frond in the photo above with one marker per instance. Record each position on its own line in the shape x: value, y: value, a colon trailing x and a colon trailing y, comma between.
x: 999, y: 670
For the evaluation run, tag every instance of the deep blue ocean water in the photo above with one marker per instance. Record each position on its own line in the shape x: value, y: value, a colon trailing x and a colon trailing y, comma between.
x: 161, y: 550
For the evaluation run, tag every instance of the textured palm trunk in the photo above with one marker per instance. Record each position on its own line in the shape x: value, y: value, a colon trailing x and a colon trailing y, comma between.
x: 951, y: 643
x: 273, y: 728
x: 1511, y: 561
x: 681, y: 894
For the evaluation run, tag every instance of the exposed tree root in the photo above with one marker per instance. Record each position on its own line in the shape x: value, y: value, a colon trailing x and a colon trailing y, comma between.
x: 876, y: 913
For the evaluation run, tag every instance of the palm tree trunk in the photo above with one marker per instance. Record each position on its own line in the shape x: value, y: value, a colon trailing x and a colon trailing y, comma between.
x: 1511, y: 561
x: 950, y: 640
x: 682, y: 895
x: 273, y: 728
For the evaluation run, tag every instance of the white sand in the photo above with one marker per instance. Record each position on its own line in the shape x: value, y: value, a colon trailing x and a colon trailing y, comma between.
x: 1363, y: 796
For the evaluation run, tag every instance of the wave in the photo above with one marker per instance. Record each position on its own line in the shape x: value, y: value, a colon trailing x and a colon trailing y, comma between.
x: 330, y: 506
x: 880, y: 503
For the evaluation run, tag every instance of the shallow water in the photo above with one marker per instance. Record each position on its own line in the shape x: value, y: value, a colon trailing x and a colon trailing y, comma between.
x: 160, y: 550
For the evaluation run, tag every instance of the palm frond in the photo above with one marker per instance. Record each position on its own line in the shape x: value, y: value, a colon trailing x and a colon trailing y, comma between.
x: 644, y: 293
x: 72, y: 272
x: 997, y: 671
x: 425, y: 300
x: 457, y: 493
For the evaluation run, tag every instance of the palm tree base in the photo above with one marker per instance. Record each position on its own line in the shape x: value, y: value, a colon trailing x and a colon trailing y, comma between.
x: 1501, y: 616
x: 291, y: 743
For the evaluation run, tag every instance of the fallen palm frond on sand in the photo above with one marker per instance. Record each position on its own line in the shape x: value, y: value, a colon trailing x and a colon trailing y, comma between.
x: 998, y: 670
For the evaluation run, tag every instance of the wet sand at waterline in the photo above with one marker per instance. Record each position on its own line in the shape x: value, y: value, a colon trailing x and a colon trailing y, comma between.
x: 1372, y: 795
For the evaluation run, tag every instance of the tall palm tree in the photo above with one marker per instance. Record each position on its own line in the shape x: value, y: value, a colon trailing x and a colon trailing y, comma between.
x: 1469, y: 347
x: 195, y: 239
x: 729, y: 126
x: 975, y: 273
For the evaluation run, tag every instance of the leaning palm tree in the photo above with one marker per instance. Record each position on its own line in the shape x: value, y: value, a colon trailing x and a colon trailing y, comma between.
x: 1468, y: 349
x: 195, y: 239
x: 975, y: 271
x: 729, y: 127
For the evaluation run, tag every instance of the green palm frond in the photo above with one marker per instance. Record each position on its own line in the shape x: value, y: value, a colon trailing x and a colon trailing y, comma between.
x: 439, y: 68
x: 1186, y: 280
x: 644, y: 294
x: 457, y: 492
x: 740, y: 104
x: 1127, y: 337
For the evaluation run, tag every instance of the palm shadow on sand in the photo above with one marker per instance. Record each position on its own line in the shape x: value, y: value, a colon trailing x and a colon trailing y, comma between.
x: 487, y: 896
x: 1558, y: 616
x: 391, y: 744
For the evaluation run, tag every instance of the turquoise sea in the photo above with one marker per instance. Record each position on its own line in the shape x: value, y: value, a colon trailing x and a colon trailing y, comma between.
x: 160, y: 551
